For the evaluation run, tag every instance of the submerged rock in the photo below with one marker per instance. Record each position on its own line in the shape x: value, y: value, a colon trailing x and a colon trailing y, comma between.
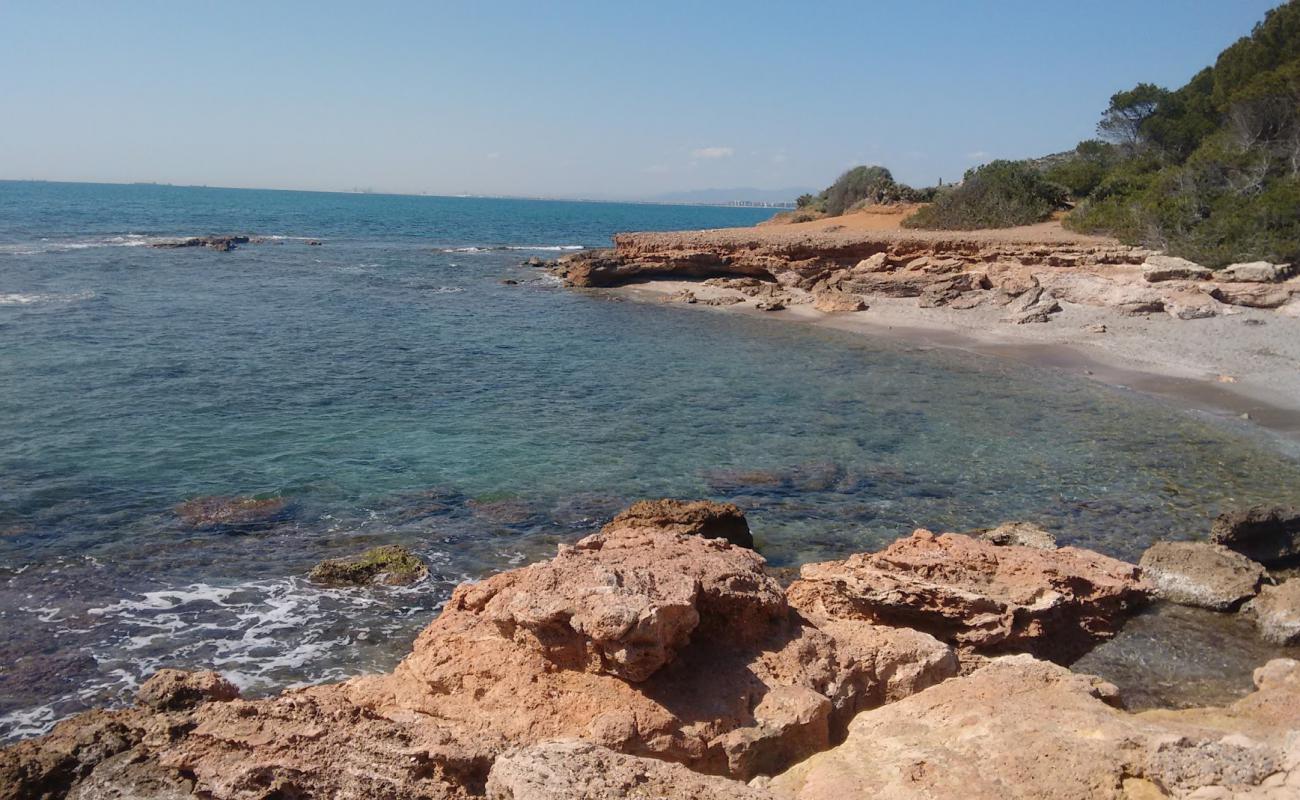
x: 390, y: 565
x: 235, y: 512
x: 1276, y: 612
x: 977, y: 596
x: 1200, y: 574
x: 222, y: 244
x: 1267, y: 534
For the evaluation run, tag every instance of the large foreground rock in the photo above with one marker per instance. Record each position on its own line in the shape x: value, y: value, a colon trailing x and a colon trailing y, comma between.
x: 1267, y: 534
x: 1277, y: 612
x: 574, y: 770
x: 981, y: 597
x: 656, y: 637
x: 1200, y: 574
x: 650, y: 639
x: 1021, y: 728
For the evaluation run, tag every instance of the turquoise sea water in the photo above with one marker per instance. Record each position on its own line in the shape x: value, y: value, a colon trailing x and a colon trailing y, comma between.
x: 392, y: 389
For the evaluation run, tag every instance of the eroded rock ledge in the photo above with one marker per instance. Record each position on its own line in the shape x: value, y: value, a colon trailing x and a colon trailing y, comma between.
x: 1028, y: 271
x: 658, y: 658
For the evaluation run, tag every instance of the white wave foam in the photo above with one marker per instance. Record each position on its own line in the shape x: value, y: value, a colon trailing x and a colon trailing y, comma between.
x: 46, y: 245
x: 43, y: 298
x: 548, y: 248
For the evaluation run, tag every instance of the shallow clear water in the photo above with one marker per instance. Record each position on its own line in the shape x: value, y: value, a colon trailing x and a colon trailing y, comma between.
x: 392, y: 389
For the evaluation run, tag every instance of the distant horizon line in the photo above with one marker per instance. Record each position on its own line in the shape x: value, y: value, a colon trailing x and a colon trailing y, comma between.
x: 464, y: 196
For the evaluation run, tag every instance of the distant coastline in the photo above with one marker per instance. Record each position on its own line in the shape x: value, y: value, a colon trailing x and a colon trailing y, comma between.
x: 774, y: 205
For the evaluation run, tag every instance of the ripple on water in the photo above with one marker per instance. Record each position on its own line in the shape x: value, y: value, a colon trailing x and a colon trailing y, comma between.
x: 1172, y: 656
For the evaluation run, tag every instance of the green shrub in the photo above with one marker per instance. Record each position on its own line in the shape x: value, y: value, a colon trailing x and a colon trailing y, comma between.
x: 866, y: 185
x: 1000, y: 194
x: 1210, y: 172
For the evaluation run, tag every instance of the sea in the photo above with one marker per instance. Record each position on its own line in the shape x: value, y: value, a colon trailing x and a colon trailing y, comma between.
x: 390, y: 370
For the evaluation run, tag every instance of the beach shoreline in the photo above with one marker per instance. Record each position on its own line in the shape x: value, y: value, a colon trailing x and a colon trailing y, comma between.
x: 1251, y: 375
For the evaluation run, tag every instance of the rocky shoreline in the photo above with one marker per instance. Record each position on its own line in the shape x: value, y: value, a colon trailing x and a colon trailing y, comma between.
x: 660, y: 658
x: 1223, y: 340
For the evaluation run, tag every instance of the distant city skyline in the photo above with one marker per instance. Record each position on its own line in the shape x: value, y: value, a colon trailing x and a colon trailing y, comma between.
x: 581, y: 99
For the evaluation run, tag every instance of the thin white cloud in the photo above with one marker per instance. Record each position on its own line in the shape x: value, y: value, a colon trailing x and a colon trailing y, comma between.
x: 978, y: 155
x: 656, y: 169
x: 713, y: 152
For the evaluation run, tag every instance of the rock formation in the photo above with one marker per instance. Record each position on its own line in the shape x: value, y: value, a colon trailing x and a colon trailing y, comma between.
x: 1021, y: 728
x: 223, y: 244
x: 1200, y: 574
x: 390, y: 565
x: 1021, y: 534
x: 576, y: 770
x: 1277, y: 612
x: 980, y: 597
x: 841, y: 270
x: 658, y: 658
x: 650, y: 639
x: 216, y: 512
x: 1267, y: 534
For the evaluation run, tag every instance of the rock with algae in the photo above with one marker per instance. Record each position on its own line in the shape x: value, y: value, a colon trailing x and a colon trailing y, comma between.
x: 390, y: 565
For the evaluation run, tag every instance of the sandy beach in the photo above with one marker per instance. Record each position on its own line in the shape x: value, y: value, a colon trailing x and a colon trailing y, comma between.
x: 1240, y: 362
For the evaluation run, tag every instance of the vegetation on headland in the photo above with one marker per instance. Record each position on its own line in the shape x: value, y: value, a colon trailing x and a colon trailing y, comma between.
x: 997, y: 195
x: 1209, y: 171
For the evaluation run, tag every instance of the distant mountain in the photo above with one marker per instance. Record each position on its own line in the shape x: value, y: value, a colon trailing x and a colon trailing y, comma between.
x: 740, y: 195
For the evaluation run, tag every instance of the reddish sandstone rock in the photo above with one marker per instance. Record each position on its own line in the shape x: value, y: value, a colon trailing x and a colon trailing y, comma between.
x: 829, y: 302
x: 1019, y: 729
x: 575, y: 770
x: 650, y: 639
x: 1019, y: 534
x: 978, y: 596
x: 317, y: 744
x: 176, y: 690
x: 699, y: 517
x: 312, y: 744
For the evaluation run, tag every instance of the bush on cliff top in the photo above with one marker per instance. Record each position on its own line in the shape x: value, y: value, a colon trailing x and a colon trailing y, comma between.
x: 1000, y: 194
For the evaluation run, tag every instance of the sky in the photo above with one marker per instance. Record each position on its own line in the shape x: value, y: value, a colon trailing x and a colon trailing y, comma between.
x: 572, y: 99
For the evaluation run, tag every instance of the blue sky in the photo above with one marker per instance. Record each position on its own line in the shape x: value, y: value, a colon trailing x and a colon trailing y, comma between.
x: 572, y: 98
